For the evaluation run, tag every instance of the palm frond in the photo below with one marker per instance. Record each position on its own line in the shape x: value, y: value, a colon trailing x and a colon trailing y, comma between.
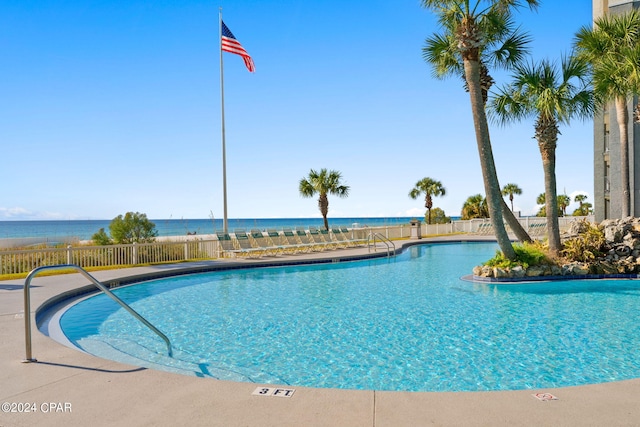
x: 441, y: 52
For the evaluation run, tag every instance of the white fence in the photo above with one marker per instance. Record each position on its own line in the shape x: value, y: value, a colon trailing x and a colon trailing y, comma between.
x: 535, y: 226
x: 23, y: 261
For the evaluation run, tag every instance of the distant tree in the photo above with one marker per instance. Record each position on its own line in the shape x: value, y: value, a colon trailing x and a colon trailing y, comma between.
x: 133, y: 227
x: 438, y: 216
x: 475, y: 207
x: 585, y: 208
x: 101, y: 238
x: 563, y: 203
x: 541, y: 200
x: 323, y: 183
x: 431, y: 188
x: 510, y: 190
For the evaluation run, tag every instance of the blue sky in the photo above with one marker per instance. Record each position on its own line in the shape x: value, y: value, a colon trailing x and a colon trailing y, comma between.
x: 114, y: 106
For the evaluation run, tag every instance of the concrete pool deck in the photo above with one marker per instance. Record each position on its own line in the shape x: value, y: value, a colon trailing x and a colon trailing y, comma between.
x: 69, y: 388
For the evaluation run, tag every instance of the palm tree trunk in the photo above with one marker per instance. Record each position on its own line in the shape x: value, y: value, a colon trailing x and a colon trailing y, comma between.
x: 548, y: 153
x: 622, y: 116
x: 514, y: 224
x: 428, y: 203
x: 490, y: 178
x: 323, y: 204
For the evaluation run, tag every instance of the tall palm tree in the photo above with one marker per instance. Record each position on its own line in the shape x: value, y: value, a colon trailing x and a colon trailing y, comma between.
x: 323, y: 183
x: 431, y: 188
x: 475, y: 207
x: 553, y: 96
x: 510, y: 190
x: 503, y: 48
x: 612, y: 48
x: 474, y: 32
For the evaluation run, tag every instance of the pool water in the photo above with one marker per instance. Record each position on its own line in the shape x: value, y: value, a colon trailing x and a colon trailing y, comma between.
x: 405, y: 323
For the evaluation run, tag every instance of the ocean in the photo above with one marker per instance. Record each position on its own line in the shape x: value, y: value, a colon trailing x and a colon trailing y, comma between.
x: 84, y: 229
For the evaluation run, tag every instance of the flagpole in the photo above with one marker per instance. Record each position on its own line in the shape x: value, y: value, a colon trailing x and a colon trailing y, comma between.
x: 224, y: 155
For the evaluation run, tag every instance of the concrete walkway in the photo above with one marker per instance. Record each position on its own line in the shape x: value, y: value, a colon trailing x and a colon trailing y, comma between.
x: 69, y: 388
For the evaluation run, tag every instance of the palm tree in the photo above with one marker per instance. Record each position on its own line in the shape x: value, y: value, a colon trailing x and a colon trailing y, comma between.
x: 580, y: 198
x: 431, y: 188
x: 510, y: 190
x: 583, y: 209
x: 323, y: 183
x: 540, y: 200
x: 611, y: 47
x: 563, y: 203
x: 478, y: 33
x: 553, y: 96
x: 475, y: 207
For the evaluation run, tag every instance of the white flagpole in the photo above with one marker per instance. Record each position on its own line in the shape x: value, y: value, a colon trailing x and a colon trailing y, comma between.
x: 224, y: 155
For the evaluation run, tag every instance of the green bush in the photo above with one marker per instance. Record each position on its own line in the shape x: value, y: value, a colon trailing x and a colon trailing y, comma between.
x: 133, y: 227
x: 437, y: 217
x: 527, y: 255
x: 101, y: 238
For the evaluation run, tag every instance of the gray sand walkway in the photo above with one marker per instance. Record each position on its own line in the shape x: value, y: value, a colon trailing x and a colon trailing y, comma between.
x: 69, y: 388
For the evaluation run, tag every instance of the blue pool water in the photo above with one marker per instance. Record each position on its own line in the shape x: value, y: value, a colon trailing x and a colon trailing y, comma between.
x: 406, y: 323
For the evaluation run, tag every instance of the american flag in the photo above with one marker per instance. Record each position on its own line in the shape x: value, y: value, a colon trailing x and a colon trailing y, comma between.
x: 230, y: 44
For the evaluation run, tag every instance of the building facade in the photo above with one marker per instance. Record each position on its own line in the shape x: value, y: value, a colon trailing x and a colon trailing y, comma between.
x: 607, y: 165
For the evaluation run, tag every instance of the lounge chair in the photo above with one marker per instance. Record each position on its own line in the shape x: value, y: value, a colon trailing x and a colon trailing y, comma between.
x: 537, y: 229
x: 319, y: 240
x: 326, y: 237
x: 245, y: 244
x: 341, y: 238
x: 485, y: 228
x: 306, y: 240
x: 294, y: 242
x: 332, y: 240
x: 279, y: 240
x: 259, y: 240
x: 226, y: 244
x: 353, y: 241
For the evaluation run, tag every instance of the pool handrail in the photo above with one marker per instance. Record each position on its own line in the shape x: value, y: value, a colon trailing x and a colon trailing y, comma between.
x: 103, y: 288
x: 387, y: 242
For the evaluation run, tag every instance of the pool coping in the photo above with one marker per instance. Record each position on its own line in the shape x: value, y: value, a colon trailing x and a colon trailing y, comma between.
x: 103, y: 392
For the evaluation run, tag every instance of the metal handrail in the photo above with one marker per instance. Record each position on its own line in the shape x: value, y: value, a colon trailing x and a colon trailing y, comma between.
x: 383, y: 239
x: 103, y: 288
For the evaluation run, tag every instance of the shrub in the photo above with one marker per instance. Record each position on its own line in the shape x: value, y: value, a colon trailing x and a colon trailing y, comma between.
x: 587, y: 246
x: 101, y: 238
x: 438, y: 217
x: 527, y: 255
x: 133, y: 227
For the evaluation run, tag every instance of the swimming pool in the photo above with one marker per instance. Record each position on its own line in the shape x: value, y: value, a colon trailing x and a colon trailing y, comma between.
x: 405, y: 323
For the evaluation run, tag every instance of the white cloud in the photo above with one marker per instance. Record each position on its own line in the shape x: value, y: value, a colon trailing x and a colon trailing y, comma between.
x: 15, y: 213
x: 18, y: 213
